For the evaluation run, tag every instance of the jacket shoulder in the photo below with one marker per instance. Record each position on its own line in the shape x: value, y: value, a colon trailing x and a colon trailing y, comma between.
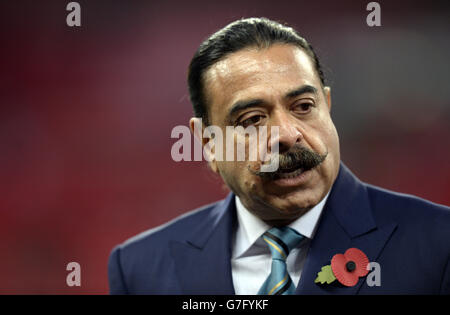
x: 132, y: 262
x: 172, y: 230
x: 401, y: 204
x: 414, y: 215
x: 418, y: 247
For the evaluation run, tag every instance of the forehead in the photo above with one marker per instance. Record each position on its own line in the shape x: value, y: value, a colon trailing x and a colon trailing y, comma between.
x: 253, y: 72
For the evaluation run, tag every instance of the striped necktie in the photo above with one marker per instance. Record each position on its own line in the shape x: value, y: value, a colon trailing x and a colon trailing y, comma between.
x: 280, y: 241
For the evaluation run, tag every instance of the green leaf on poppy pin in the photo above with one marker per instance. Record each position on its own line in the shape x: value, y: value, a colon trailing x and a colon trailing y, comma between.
x: 325, y: 275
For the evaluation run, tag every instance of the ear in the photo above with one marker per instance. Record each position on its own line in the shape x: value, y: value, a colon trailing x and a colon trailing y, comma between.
x: 327, y: 91
x: 197, y: 128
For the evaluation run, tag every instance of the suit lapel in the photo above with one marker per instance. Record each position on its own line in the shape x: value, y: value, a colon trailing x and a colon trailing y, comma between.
x: 203, y: 261
x: 346, y: 222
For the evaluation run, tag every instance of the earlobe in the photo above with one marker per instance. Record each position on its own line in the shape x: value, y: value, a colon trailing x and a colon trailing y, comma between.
x: 327, y: 90
x: 197, y: 128
x: 213, y: 166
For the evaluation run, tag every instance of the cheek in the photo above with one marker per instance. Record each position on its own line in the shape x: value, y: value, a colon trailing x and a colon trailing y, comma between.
x: 330, y: 144
x: 332, y: 138
x: 324, y: 137
x: 250, y: 186
x: 237, y: 176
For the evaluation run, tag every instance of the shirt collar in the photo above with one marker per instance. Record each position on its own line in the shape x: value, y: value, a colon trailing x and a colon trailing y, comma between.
x: 250, y: 227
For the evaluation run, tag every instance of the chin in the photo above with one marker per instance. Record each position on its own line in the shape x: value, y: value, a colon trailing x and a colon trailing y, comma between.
x: 284, y: 214
x: 296, y: 202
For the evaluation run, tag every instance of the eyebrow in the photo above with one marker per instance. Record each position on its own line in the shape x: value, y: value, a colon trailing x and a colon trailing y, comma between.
x: 301, y: 90
x: 241, y: 105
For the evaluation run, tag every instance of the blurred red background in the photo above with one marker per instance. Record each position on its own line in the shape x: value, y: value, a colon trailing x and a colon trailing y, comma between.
x: 86, y: 116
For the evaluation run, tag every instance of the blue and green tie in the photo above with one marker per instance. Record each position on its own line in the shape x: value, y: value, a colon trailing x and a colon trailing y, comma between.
x: 280, y: 241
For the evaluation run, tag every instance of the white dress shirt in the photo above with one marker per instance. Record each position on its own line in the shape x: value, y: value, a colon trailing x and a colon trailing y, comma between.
x: 251, y: 260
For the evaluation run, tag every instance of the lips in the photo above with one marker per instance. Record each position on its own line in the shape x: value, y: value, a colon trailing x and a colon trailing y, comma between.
x: 293, y: 166
x: 289, y: 173
x: 292, y: 175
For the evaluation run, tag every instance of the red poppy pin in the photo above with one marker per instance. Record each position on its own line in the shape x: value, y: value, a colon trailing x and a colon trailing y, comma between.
x: 346, y: 268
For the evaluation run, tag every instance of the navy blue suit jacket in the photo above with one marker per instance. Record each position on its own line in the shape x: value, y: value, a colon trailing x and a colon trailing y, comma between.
x: 409, y: 237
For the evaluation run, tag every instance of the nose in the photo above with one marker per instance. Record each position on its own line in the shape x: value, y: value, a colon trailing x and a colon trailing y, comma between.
x: 289, y: 132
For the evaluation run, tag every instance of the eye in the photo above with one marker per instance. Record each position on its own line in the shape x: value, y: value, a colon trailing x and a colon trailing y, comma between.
x: 303, y: 107
x: 253, y: 120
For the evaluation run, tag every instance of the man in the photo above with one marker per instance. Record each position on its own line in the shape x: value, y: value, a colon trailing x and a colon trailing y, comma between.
x: 275, y: 231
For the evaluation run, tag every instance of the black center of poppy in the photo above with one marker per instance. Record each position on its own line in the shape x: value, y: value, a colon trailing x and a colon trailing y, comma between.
x: 350, y: 266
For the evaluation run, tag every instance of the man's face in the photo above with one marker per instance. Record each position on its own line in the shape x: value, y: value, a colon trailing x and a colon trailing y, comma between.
x: 277, y: 86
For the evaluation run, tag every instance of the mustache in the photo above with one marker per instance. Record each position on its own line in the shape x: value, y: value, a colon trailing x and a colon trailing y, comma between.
x: 298, y: 157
